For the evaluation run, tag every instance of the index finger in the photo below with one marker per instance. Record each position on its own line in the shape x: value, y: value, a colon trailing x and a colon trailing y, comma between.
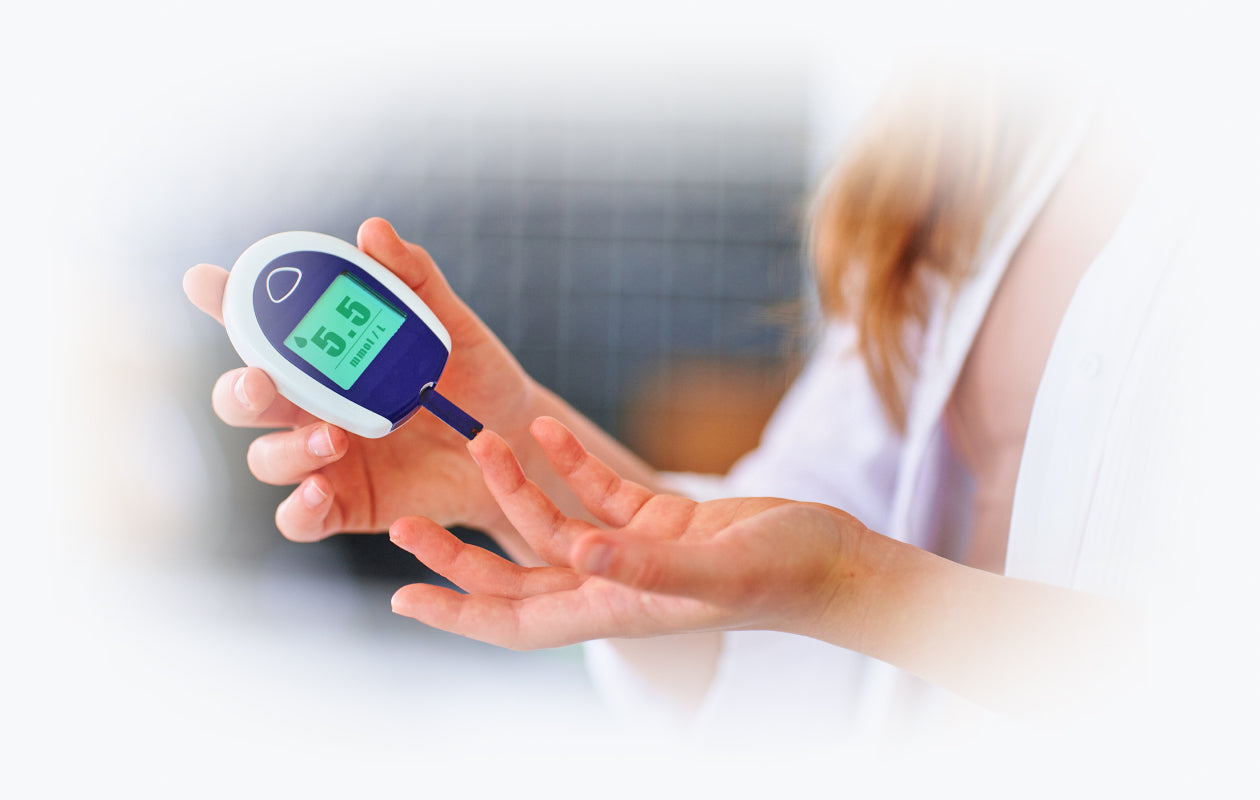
x: 544, y: 526
x: 204, y: 285
x: 609, y: 497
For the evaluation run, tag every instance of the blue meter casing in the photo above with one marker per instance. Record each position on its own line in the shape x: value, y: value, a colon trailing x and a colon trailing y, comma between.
x: 339, y: 334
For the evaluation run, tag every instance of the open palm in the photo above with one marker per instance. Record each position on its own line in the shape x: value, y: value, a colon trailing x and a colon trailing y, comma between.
x: 658, y: 564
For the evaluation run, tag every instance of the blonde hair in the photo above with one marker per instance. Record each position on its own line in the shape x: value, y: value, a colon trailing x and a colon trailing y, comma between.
x: 910, y: 198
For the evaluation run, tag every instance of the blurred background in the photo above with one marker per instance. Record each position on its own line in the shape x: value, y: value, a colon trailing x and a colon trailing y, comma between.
x: 618, y: 195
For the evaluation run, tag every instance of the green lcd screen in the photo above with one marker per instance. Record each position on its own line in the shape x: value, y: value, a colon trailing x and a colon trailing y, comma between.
x: 345, y: 330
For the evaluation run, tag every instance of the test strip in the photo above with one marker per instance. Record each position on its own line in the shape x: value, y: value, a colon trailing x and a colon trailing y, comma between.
x: 449, y: 413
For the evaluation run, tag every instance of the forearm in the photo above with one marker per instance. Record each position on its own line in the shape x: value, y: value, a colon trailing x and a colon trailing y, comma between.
x: 1012, y: 645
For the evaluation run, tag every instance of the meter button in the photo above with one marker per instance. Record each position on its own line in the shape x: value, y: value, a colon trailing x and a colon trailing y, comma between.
x: 281, y: 282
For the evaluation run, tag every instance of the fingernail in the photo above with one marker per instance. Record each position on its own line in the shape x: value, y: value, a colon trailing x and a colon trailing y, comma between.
x: 242, y: 396
x: 320, y: 444
x: 597, y: 559
x: 312, y: 495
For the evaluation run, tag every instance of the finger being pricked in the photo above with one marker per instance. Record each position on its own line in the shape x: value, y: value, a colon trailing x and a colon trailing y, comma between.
x: 605, y: 494
x: 475, y: 569
x: 286, y: 457
x: 544, y: 526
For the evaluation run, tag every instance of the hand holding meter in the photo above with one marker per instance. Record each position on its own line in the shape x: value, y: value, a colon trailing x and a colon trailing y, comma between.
x: 339, y: 334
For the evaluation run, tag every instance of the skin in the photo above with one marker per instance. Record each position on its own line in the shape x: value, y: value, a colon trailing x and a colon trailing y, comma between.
x: 657, y: 564
x: 346, y: 483
x: 600, y: 553
x: 654, y: 563
x: 349, y: 484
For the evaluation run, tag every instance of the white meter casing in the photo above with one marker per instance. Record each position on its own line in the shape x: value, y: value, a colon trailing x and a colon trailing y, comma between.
x: 339, y: 334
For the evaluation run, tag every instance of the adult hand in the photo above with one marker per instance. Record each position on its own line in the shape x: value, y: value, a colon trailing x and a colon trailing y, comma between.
x: 349, y: 483
x: 659, y: 563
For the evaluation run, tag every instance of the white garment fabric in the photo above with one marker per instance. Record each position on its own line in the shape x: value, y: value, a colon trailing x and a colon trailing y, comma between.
x: 1106, y: 451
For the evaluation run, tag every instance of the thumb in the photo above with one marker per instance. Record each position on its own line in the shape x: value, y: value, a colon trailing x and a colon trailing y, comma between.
x: 702, y: 571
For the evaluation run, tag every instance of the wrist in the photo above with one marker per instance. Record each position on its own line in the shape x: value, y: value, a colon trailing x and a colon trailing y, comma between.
x: 862, y: 590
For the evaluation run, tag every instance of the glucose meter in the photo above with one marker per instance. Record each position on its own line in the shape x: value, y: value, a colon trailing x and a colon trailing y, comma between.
x: 339, y: 334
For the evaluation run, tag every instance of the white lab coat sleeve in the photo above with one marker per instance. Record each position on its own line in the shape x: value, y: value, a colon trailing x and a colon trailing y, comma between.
x: 827, y: 442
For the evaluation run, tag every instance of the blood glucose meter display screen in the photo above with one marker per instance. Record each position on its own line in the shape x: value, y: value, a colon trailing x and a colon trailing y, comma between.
x: 345, y: 330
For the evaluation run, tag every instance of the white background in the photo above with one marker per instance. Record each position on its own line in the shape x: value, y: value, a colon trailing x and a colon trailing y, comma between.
x: 126, y: 665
